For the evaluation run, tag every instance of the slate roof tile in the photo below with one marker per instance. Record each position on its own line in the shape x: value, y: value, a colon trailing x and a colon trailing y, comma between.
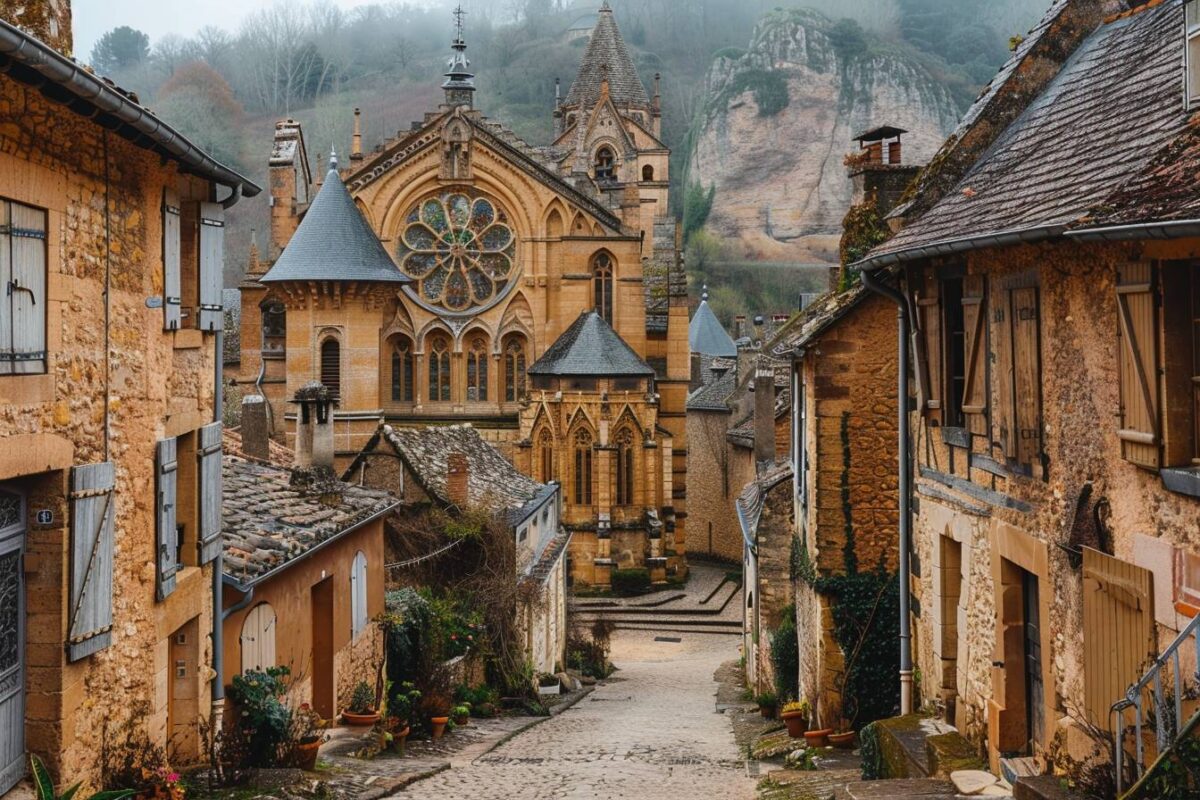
x: 707, y: 336
x: 606, y: 54
x: 590, y: 347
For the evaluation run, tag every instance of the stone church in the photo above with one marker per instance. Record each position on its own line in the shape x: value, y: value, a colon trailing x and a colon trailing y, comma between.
x: 458, y: 274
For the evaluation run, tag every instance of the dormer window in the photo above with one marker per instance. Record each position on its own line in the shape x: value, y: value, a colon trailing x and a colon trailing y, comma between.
x: 605, y: 164
x: 1192, y: 17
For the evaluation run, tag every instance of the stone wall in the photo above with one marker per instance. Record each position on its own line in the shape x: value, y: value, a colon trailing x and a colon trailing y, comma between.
x: 713, y: 487
x: 47, y: 20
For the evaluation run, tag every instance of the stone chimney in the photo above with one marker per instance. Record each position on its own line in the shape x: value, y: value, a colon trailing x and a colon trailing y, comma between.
x: 739, y: 326
x: 458, y: 475
x: 764, y: 411
x: 312, y: 469
x: 254, y: 427
x: 47, y: 20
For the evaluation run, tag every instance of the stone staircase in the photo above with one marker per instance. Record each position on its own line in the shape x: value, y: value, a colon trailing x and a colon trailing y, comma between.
x: 710, y: 604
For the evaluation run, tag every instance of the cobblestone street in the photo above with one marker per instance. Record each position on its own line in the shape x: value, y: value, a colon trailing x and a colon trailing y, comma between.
x: 651, y: 731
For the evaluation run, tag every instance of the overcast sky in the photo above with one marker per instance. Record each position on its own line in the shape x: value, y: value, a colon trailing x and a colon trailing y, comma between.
x: 92, y: 18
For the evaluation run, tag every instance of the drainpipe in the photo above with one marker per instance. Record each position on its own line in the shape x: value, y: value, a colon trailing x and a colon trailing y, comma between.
x: 906, y: 667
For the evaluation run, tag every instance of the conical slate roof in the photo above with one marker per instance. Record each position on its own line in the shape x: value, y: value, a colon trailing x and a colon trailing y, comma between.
x: 590, y: 347
x: 606, y: 54
x: 706, y: 335
x: 334, y: 243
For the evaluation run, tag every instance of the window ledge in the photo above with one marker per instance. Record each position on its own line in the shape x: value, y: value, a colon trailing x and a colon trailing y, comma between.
x: 1181, y: 480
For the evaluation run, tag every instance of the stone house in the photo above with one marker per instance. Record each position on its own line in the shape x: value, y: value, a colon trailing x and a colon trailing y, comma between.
x: 304, y: 564
x: 453, y: 468
x: 110, y: 252
x: 494, y: 249
x: 1053, y: 279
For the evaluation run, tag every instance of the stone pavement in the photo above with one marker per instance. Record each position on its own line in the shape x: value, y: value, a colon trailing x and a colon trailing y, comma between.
x: 650, y: 732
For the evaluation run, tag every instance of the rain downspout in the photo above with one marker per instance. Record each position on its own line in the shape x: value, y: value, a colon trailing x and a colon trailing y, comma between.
x: 906, y: 667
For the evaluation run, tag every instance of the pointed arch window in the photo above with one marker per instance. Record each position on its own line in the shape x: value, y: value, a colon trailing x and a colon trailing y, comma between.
x: 545, y: 442
x: 583, y: 468
x: 403, y: 368
x: 477, y: 369
x: 602, y: 285
x: 606, y: 164
x: 331, y: 365
x: 514, y: 368
x: 439, y: 368
x: 625, y: 449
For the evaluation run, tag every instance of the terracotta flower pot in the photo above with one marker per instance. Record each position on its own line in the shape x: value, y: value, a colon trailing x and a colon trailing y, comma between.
x: 462, y: 721
x: 400, y: 738
x: 306, y: 754
x: 360, y: 720
x: 768, y: 712
x: 843, y: 740
x: 818, y: 738
x: 796, y: 721
x: 439, y: 726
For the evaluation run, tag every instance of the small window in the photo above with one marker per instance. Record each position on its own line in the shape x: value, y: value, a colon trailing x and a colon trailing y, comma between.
x: 583, y: 468
x: 22, y: 289
x: 331, y: 366
x: 648, y: 173
x: 477, y: 370
x: 1187, y: 578
x: 274, y: 329
x: 439, y: 369
x: 625, y: 449
x: 514, y: 368
x: 359, y: 615
x: 602, y: 285
x: 606, y: 169
x: 1193, y: 52
x: 546, y: 455
x: 402, y: 370
x: 522, y: 535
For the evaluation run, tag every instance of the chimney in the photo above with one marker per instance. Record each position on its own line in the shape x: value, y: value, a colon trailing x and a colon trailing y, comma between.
x: 254, y: 427
x: 458, y: 474
x: 739, y: 326
x: 764, y: 411
x: 759, y: 333
x: 314, y: 428
x: 49, y: 21
x: 356, y: 153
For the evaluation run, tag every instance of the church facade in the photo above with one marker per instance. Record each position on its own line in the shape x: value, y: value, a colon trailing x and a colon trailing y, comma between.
x: 499, y: 249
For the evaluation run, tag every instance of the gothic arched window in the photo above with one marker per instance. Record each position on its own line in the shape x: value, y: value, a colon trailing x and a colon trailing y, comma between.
x: 545, y: 442
x: 606, y: 164
x: 514, y: 368
x: 477, y: 369
x: 439, y: 368
x: 403, y: 367
x: 625, y: 449
x: 331, y: 365
x: 583, y: 468
x: 602, y: 285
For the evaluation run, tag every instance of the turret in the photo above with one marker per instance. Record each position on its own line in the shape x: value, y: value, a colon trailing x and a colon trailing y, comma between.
x: 460, y: 81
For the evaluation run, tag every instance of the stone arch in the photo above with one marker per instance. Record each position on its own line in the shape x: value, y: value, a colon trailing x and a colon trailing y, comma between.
x: 579, y: 223
x: 554, y: 226
x: 518, y: 317
x: 398, y: 366
x: 401, y: 321
x: 597, y: 229
x: 434, y: 325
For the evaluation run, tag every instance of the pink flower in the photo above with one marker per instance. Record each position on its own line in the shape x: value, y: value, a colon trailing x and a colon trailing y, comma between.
x: 173, y: 777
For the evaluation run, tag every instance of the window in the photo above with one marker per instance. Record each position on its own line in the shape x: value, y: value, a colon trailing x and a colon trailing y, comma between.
x: 274, y: 329
x: 602, y: 285
x: 514, y: 368
x: 258, y: 639
x: 331, y: 365
x: 359, y: 616
x: 624, y: 440
x: 22, y: 289
x: 477, y: 370
x: 1187, y: 577
x: 546, y: 455
x: 402, y: 370
x: 439, y: 368
x: 605, y: 165
x: 951, y: 312
x: 1192, y: 55
x: 647, y: 173
x: 583, y: 468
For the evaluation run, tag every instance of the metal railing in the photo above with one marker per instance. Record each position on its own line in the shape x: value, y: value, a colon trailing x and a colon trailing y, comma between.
x: 1168, y: 711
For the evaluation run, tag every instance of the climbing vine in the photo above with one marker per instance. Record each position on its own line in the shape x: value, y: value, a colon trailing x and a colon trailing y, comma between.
x: 1176, y: 777
x: 863, y: 229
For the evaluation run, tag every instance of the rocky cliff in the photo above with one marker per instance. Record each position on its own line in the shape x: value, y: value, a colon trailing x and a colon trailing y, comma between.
x: 778, y: 123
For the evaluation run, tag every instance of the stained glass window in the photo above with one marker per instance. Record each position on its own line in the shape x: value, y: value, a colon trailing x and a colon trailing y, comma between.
x: 402, y: 370
x: 477, y: 370
x: 514, y: 369
x: 439, y: 369
x: 460, y: 250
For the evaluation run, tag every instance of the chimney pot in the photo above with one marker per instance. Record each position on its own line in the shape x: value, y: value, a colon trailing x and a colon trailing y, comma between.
x: 314, y: 427
x: 254, y: 427
x: 458, y: 474
x: 764, y: 412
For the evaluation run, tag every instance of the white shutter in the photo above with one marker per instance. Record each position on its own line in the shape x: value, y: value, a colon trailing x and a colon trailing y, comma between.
x: 212, y: 260
x: 89, y: 624
x: 209, y: 456
x: 172, y: 282
x: 26, y: 289
x: 6, y: 360
x: 258, y: 639
x: 358, y: 594
x: 165, y: 517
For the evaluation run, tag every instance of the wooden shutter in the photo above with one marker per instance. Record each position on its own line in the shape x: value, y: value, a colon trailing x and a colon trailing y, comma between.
x: 212, y: 260
x: 89, y: 624
x: 26, y: 289
x: 1138, y: 361
x: 929, y: 315
x: 1118, y: 630
x: 1027, y: 374
x: 167, y: 539
x: 209, y: 456
x: 172, y: 283
x: 6, y: 350
x: 358, y: 594
x: 975, y: 387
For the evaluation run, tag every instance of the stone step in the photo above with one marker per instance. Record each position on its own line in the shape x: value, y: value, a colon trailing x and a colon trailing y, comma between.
x: 718, y: 607
x: 898, y: 789
x: 608, y: 602
x: 681, y: 626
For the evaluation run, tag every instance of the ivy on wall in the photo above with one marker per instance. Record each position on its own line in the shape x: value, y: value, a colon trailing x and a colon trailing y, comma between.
x: 863, y: 229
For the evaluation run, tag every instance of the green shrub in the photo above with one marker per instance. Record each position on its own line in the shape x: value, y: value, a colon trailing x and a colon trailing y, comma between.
x: 362, y: 700
x: 264, y: 720
x: 626, y: 582
x: 785, y: 656
x: 769, y: 86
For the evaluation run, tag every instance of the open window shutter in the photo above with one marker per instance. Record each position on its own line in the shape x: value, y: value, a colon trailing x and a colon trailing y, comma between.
x: 1027, y: 375
x: 212, y: 260
x: 975, y: 399
x: 930, y: 318
x: 172, y: 290
x: 89, y: 625
x: 1138, y: 359
x: 27, y: 289
x: 165, y: 504
x: 1003, y: 415
x: 209, y: 455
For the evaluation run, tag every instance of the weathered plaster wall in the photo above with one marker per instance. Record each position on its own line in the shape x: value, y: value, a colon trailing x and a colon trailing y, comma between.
x: 713, y: 488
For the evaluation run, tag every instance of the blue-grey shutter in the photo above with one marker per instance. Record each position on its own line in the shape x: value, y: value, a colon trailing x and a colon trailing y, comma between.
x: 172, y: 282
x: 209, y: 455
x: 167, y: 539
x: 25, y: 290
x: 212, y: 260
x: 89, y: 624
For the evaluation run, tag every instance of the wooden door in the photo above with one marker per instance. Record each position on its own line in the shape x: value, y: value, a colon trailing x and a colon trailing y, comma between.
x: 324, y: 695
x: 1035, y: 695
x: 12, y: 639
x: 258, y: 638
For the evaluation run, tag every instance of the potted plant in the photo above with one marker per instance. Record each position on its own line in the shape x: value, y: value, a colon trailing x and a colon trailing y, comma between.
x: 362, y: 706
x: 768, y: 703
x: 795, y: 715
x: 437, y: 726
x: 402, y: 703
x: 460, y: 714
x: 309, y: 736
x: 843, y: 738
x: 818, y: 737
x: 548, y: 684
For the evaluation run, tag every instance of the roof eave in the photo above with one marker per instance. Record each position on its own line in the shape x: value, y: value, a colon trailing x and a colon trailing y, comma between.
x: 1033, y: 235
x: 1174, y: 229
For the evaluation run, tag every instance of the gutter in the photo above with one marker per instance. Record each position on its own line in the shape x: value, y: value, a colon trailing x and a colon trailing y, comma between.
x: 147, y: 130
x: 1033, y: 235
x: 1177, y: 229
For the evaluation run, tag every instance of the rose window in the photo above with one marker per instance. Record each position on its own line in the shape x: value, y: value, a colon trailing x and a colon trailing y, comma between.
x: 459, y: 250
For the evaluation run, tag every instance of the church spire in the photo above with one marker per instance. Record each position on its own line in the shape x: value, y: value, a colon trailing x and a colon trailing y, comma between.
x: 460, y: 81
x: 607, y: 59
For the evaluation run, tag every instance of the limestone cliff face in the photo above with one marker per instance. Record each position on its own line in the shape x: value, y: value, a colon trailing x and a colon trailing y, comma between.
x: 781, y: 187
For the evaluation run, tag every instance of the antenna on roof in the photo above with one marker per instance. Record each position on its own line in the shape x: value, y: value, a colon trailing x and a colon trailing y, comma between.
x: 333, y: 158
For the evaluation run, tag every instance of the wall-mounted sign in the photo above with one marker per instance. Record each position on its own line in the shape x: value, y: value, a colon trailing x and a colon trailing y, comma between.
x: 44, y: 517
